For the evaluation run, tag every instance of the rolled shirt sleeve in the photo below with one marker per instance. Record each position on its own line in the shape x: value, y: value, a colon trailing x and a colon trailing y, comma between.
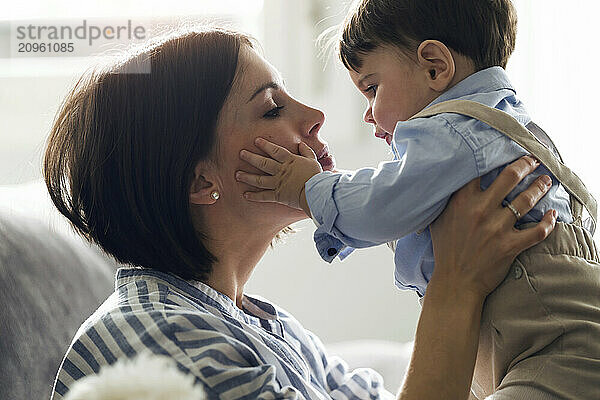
x: 343, y: 383
x: 229, y: 368
x: 222, y: 374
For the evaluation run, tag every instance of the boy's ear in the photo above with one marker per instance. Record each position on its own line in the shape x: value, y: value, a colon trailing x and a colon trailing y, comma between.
x: 437, y: 63
x: 203, y: 186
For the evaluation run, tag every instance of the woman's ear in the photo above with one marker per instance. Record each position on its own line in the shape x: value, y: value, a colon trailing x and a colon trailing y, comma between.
x: 437, y: 63
x: 204, y: 187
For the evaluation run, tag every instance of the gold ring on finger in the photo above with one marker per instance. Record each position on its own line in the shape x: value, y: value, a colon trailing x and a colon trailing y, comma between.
x: 513, y: 209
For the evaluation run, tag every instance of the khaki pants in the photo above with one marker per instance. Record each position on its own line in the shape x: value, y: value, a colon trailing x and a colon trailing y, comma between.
x: 540, y: 329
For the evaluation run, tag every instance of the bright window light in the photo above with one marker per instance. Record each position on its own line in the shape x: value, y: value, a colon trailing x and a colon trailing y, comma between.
x: 149, y: 8
x: 153, y: 15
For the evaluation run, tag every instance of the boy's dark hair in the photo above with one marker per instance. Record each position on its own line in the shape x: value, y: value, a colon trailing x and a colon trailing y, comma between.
x: 482, y: 30
x: 121, y: 154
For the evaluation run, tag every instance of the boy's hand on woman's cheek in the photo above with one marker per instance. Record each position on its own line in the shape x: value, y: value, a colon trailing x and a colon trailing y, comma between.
x: 286, y: 174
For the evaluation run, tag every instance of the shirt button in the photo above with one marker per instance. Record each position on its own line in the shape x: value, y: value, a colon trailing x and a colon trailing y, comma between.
x: 331, y: 252
x: 518, y: 272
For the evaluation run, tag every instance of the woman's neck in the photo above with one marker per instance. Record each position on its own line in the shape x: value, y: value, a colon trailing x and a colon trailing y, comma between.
x: 238, y: 249
x: 236, y: 261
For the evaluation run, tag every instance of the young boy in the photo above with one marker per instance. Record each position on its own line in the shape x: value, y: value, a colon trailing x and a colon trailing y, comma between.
x: 433, y: 71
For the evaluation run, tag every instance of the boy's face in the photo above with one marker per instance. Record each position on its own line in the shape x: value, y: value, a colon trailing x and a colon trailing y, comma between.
x: 396, y: 88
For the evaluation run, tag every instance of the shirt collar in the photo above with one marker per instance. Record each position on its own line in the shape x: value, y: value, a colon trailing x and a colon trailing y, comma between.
x: 201, y: 292
x: 484, y: 81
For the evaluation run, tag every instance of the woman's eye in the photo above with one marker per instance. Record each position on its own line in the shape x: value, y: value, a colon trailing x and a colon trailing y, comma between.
x: 371, y: 90
x: 274, y: 112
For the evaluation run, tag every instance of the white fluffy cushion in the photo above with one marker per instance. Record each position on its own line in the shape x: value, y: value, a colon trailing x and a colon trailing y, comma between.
x: 146, y: 377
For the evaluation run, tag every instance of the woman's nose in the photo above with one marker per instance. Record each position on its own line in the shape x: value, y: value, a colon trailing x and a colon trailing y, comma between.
x: 314, y: 122
x: 368, y: 116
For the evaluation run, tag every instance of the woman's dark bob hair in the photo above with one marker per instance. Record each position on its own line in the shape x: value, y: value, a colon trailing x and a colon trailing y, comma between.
x: 120, y: 157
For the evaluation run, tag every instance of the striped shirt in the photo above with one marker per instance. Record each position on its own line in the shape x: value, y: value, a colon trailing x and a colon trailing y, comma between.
x: 260, y: 351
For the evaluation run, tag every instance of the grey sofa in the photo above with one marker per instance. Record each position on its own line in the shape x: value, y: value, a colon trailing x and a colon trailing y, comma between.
x: 50, y: 282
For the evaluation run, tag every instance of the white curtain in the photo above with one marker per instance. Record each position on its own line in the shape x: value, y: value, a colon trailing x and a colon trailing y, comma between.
x: 554, y: 71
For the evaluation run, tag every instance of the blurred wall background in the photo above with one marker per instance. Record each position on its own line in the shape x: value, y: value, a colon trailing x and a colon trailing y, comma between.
x: 553, y: 69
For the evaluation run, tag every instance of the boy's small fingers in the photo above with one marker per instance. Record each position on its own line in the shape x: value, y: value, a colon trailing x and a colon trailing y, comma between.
x: 264, y: 196
x: 306, y: 151
x: 259, y: 181
x: 265, y: 164
x: 279, y: 153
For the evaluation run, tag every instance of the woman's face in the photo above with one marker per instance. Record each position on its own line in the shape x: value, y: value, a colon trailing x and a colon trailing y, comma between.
x: 258, y: 105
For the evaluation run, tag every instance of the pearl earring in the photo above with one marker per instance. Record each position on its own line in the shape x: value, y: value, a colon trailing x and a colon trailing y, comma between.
x: 215, y: 195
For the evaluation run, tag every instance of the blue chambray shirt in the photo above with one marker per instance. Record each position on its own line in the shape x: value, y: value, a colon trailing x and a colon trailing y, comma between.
x: 433, y: 157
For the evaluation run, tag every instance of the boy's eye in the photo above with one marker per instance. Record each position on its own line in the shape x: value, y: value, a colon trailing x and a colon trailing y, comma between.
x: 274, y: 112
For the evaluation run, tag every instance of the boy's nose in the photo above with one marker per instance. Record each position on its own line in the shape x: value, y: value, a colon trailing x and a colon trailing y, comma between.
x: 368, y: 116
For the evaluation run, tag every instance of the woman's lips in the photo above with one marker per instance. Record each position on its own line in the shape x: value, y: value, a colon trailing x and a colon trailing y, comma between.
x: 323, y: 152
x: 384, y: 135
x: 327, y: 162
x: 325, y: 159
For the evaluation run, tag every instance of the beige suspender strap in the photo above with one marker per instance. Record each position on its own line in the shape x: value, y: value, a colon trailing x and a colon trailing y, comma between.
x: 506, y: 124
x: 577, y: 210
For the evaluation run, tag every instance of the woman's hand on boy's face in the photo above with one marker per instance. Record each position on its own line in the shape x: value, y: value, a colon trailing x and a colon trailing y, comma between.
x: 287, y: 173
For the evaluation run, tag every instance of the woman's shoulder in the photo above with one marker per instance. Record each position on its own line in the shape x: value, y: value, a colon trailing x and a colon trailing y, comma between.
x: 145, y: 305
x: 141, y: 317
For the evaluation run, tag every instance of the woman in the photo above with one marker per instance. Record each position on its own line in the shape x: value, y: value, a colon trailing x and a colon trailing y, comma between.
x: 144, y: 164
